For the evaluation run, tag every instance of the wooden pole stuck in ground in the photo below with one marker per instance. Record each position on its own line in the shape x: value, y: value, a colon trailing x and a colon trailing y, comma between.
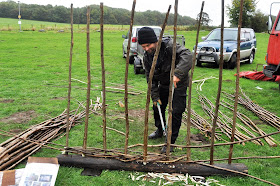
x: 237, y: 81
x: 151, y: 75
x: 171, y: 85
x: 125, y: 79
x: 219, y: 87
x: 69, y: 81
x: 103, y: 76
x: 89, y: 80
x: 190, y: 88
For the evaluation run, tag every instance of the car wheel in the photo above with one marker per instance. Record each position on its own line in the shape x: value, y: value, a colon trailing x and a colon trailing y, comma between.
x: 251, y: 58
x: 136, y: 70
x: 232, y: 61
x: 124, y: 54
x: 131, y: 60
x: 198, y: 63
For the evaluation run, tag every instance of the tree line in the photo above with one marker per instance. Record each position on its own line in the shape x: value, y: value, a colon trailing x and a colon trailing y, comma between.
x: 251, y: 17
x: 61, y: 14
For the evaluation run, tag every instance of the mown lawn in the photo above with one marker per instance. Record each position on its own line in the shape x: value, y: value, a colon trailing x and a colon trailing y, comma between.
x: 34, y: 77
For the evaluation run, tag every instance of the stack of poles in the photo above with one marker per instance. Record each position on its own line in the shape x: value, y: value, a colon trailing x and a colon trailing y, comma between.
x: 103, y: 77
x: 150, y: 83
x: 126, y: 77
x: 190, y: 88
x: 237, y: 82
x: 219, y: 87
x: 171, y: 89
x: 151, y: 75
x: 69, y: 82
x: 89, y: 80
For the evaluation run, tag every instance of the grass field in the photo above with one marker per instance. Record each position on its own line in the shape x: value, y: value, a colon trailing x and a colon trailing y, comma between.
x: 34, y: 79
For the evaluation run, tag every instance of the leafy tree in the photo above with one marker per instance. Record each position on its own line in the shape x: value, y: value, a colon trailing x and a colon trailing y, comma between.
x: 249, y: 7
x: 205, y: 19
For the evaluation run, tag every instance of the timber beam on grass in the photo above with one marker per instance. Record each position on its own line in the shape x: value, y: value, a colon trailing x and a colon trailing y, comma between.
x: 113, y: 164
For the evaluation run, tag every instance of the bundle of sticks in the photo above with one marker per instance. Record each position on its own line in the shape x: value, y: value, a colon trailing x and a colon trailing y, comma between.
x: 21, y: 146
x: 202, y: 124
x: 262, y: 113
x: 224, y: 122
x: 249, y: 123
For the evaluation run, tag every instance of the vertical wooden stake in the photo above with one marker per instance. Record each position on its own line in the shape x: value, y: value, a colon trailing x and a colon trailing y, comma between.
x: 190, y: 88
x: 219, y: 89
x: 237, y: 81
x: 89, y: 81
x: 125, y: 79
x: 151, y: 75
x: 103, y: 78
x: 171, y: 89
x: 69, y: 82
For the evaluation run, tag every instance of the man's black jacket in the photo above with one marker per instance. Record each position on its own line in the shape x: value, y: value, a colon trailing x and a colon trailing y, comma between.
x: 161, y: 76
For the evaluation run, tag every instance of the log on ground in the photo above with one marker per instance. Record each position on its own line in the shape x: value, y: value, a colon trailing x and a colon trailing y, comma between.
x: 183, y: 168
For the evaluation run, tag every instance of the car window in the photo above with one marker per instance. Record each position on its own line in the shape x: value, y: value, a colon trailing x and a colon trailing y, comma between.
x: 157, y: 31
x: 229, y: 35
x: 252, y: 34
x: 277, y: 25
x: 247, y: 36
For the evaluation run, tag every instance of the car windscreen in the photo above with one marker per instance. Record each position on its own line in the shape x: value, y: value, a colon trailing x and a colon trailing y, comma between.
x: 229, y: 35
x: 277, y: 28
x: 157, y: 31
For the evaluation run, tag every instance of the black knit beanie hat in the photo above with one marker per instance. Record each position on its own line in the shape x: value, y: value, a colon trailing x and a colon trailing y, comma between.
x: 146, y: 35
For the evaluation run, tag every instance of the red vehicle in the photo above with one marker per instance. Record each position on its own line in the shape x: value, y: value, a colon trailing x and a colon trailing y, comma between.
x: 273, y: 49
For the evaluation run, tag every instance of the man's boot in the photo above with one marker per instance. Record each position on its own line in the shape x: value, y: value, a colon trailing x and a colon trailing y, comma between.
x: 163, y: 150
x: 157, y: 134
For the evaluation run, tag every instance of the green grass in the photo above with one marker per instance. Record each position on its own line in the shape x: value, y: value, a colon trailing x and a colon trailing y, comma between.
x: 34, y: 72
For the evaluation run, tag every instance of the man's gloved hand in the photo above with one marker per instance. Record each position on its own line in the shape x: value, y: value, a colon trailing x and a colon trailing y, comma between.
x: 158, y: 101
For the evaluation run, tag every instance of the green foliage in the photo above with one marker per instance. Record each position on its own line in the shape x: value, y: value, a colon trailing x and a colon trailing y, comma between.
x: 61, y: 14
x: 258, y: 22
x: 249, y: 7
x: 205, y: 19
x: 34, y: 73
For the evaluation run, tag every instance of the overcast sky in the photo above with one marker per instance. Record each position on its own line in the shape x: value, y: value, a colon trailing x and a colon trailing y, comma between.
x: 186, y: 7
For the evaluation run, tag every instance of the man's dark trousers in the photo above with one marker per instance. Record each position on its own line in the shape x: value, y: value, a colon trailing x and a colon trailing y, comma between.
x: 179, y: 106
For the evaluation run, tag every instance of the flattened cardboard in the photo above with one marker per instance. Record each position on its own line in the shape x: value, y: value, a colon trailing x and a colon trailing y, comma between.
x: 8, y: 178
x: 42, y: 160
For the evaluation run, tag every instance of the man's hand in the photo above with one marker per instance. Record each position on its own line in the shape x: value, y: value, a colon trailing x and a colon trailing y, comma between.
x: 158, y: 101
x: 175, y: 81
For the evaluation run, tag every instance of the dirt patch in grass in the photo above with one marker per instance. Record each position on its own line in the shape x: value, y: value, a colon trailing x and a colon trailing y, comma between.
x: 259, y: 122
x: 199, y: 138
x: 227, y: 80
x: 58, y: 98
x: 6, y: 100
x: 16, y: 131
x: 137, y: 113
x: 20, y: 117
x: 134, y: 115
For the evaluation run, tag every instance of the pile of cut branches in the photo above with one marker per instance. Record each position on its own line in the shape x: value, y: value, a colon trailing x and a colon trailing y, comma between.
x: 21, y: 146
x: 262, y: 113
